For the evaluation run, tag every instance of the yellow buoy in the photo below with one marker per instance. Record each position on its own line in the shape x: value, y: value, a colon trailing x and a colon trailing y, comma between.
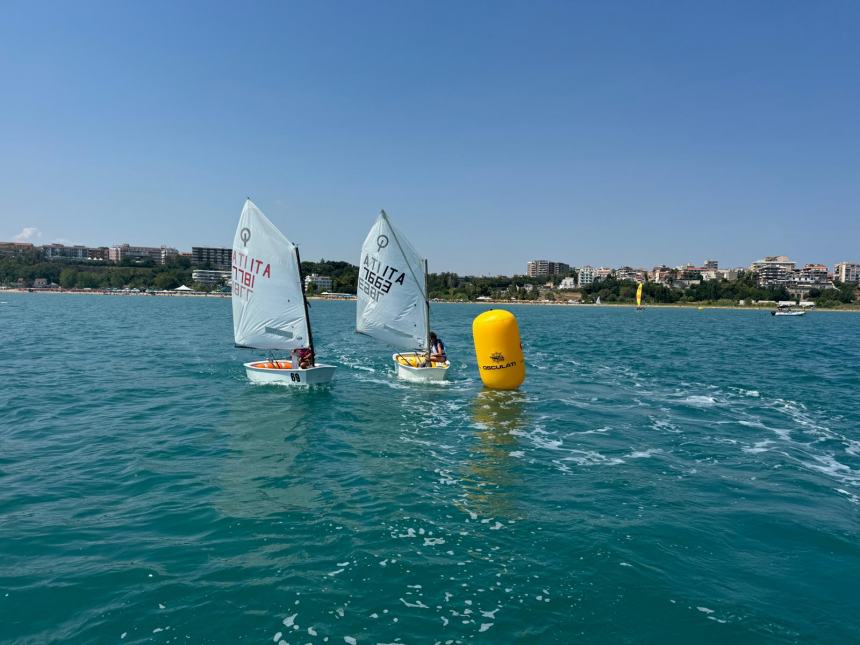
x: 499, y: 350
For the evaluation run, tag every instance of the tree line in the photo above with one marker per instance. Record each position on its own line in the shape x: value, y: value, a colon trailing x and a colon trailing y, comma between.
x: 344, y: 276
x: 141, y: 274
x: 717, y: 292
x: 145, y: 274
x: 86, y: 275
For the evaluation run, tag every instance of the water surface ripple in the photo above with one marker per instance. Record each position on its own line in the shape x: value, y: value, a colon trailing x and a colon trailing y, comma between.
x: 664, y: 475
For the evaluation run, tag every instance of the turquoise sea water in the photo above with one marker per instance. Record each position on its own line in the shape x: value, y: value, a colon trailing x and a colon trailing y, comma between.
x: 668, y: 475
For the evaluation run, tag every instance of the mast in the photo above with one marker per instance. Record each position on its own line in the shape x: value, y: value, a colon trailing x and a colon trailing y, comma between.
x: 426, y: 307
x: 305, y: 300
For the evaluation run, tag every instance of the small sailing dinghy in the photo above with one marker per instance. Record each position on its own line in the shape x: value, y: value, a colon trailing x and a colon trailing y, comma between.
x: 639, y: 297
x: 393, y: 306
x: 270, y: 311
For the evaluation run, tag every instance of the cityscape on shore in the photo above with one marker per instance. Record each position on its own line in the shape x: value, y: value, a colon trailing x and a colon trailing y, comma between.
x: 209, y: 269
x: 771, y: 271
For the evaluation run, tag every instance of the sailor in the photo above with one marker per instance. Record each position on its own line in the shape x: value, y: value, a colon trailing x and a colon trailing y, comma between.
x: 437, y: 349
x: 303, y: 357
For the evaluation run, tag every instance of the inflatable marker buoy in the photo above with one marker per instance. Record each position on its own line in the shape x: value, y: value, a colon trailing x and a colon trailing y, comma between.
x: 499, y: 350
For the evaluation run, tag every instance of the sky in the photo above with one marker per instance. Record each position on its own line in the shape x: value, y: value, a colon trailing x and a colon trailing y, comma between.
x: 491, y: 132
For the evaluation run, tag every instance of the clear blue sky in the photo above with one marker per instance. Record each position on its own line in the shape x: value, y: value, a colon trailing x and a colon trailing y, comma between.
x: 492, y: 132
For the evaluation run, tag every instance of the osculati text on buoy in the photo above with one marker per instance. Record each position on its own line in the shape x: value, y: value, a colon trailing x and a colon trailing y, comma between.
x: 499, y: 367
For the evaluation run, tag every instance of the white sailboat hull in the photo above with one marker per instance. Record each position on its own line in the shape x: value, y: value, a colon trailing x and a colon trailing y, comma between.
x: 282, y: 373
x: 438, y: 372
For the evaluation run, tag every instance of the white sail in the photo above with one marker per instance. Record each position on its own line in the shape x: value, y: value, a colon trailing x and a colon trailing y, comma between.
x: 392, y: 298
x: 268, y: 299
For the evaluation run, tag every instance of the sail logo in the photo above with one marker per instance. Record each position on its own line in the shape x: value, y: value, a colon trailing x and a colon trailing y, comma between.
x: 376, y: 279
x: 246, y: 270
x: 497, y: 357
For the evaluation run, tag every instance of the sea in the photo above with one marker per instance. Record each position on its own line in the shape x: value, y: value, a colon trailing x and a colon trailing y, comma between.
x: 667, y: 475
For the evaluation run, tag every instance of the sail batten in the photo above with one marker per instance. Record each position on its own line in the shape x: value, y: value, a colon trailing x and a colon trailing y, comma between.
x: 392, y: 297
x: 268, y: 299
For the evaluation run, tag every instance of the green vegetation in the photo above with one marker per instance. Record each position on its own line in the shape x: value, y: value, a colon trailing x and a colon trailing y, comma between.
x: 344, y: 276
x: 91, y: 275
x: 720, y: 292
x: 142, y: 274
x: 830, y: 298
x: 450, y: 286
x: 443, y: 286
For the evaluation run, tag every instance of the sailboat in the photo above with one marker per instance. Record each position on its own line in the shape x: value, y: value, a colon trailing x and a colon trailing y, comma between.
x: 393, y: 306
x: 597, y: 302
x: 270, y: 311
x: 639, y: 297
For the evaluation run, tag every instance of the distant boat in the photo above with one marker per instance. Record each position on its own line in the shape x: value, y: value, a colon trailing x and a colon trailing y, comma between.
x: 270, y: 311
x: 393, y: 306
x: 639, y: 297
x: 597, y: 302
x: 788, y: 311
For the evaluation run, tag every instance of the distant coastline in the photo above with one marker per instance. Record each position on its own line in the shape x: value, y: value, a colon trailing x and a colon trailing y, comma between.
x: 530, y: 303
x: 627, y: 305
x: 120, y: 293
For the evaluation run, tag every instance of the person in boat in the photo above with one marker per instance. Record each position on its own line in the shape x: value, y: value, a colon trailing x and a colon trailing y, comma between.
x: 303, y: 357
x: 437, y: 350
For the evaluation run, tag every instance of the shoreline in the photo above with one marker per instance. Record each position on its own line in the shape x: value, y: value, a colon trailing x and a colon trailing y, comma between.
x: 102, y: 292
x: 529, y: 303
x: 621, y: 305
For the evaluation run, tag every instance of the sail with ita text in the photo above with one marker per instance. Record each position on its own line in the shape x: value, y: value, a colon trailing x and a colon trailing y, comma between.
x: 393, y: 306
x: 270, y: 311
x: 268, y: 301
x: 392, y: 297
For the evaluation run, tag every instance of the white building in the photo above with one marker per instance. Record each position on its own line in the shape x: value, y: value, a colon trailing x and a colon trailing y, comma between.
x: 567, y: 283
x: 602, y: 273
x: 629, y: 273
x: 729, y: 274
x: 773, y: 270
x: 207, y: 277
x: 847, y: 272
x: 61, y: 251
x: 813, y: 273
x: 159, y: 254
x: 586, y: 275
x: 322, y: 282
